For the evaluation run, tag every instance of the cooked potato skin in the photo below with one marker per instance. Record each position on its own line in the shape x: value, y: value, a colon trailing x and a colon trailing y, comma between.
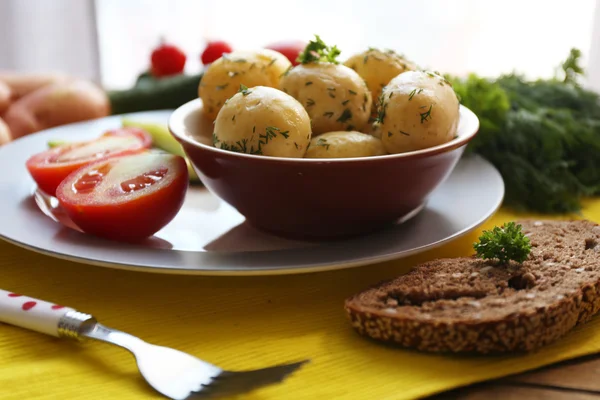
x: 263, y: 121
x: 222, y: 79
x: 345, y: 144
x: 335, y: 97
x: 419, y: 110
x: 378, y: 68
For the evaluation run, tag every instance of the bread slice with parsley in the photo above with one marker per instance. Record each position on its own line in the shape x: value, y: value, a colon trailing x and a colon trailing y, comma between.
x: 484, y: 306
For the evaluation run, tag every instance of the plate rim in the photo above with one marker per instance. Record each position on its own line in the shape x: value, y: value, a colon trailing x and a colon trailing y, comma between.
x: 260, y: 272
x: 251, y: 270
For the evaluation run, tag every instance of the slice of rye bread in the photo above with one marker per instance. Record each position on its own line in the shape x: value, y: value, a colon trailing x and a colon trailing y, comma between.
x: 475, y: 306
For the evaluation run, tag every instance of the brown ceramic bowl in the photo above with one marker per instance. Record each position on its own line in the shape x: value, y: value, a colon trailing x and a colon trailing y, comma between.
x: 318, y: 198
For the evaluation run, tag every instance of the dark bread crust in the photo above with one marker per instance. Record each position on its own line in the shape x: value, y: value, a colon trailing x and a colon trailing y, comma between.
x: 476, y: 306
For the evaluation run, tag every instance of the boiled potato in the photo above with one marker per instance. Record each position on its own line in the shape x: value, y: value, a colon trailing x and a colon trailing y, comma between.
x: 345, y: 144
x: 223, y: 77
x: 419, y: 109
x: 374, y: 129
x: 378, y: 68
x: 265, y: 121
x: 334, y: 96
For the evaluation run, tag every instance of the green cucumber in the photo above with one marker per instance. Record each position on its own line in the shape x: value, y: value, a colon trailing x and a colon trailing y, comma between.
x: 162, y: 139
x: 56, y: 143
x: 151, y: 93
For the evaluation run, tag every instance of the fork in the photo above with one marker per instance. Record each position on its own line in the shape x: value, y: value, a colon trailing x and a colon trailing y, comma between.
x: 174, y: 374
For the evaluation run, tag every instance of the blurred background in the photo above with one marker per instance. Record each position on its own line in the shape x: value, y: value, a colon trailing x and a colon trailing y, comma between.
x: 110, y: 41
x: 529, y: 69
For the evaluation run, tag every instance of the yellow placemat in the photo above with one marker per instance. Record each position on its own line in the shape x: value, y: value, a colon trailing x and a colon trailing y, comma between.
x: 238, y: 323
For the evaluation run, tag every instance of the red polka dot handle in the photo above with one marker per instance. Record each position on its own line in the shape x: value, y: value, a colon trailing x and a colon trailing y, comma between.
x: 26, y: 312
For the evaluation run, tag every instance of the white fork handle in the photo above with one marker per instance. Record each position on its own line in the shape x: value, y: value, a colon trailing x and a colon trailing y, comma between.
x: 34, y: 314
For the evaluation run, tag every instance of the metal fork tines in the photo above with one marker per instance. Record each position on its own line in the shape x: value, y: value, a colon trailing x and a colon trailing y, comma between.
x: 175, y: 374
x: 230, y: 383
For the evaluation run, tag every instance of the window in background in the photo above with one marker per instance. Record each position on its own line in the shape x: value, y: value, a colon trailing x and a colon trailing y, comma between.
x: 487, y: 37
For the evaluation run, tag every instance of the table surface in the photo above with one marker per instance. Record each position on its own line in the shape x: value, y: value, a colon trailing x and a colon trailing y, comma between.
x: 574, y: 380
x: 248, y: 322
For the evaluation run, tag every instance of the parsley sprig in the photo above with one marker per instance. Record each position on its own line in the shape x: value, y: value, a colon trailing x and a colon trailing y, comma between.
x: 316, y: 50
x: 503, y: 243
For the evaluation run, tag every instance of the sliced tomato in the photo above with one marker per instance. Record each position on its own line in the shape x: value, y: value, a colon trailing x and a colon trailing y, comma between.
x: 50, y: 167
x: 126, y: 198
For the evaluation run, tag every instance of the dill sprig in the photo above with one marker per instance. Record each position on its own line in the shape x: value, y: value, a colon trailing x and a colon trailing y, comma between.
x: 427, y: 114
x: 345, y: 116
x: 244, y: 90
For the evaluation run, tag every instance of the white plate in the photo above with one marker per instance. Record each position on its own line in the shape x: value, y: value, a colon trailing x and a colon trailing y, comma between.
x: 210, y: 237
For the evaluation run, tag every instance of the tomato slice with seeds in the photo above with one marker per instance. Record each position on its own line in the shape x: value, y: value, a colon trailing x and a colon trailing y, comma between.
x: 50, y: 167
x: 127, y: 198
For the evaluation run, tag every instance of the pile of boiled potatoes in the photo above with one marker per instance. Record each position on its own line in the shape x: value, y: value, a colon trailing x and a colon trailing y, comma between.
x: 375, y: 103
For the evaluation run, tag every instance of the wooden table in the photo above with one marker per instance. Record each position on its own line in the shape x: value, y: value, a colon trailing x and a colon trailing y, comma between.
x: 574, y: 380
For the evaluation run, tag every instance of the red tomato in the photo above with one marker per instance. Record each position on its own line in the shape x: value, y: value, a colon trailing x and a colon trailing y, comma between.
x: 50, y: 167
x: 214, y: 50
x: 167, y: 60
x: 291, y: 49
x: 125, y: 198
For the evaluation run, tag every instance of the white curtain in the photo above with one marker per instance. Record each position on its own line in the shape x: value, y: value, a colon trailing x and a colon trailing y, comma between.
x: 49, y: 35
x: 110, y: 40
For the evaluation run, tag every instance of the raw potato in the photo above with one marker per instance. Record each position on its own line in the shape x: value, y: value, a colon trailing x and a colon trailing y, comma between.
x: 345, y: 144
x: 336, y: 97
x: 22, y: 84
x: 5, y: 95
x: 419, y: 110
x: 264, y: 121
x: 378, y: 68
x: 57, y: 104
x: 223, y: 77
x: 4, y: 133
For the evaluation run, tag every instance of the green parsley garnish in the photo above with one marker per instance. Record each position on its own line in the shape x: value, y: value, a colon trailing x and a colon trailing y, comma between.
x: 505, y: 243
x: 317, y: 50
